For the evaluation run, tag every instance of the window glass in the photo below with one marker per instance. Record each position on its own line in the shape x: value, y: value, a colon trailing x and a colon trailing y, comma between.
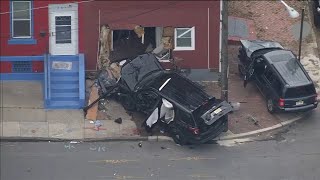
x: 300, y: 91
x: 21, y: 19
x: 276, y: 84
x: 63, y: 29
x: 269, y: 75
x: 21, y: 28
x: 21, y: 9
x: 184, y: 38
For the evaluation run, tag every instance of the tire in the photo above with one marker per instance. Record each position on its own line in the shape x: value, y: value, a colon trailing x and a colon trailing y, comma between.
x: 270, y: 106
x: 177, y: 136
x: 127, y: 103
x: 226, y: 128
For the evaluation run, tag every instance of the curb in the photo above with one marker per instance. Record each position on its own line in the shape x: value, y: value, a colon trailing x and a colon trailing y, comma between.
x: 150, y: 138
x: 241, y: 135
x: 42, y: 139
x: 264, y: 130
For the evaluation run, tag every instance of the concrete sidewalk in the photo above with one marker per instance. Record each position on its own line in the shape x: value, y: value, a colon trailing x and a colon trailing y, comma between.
x: 23, y: 116
x: 23, y: 120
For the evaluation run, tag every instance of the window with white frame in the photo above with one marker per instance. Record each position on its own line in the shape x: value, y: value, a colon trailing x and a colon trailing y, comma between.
x: 21, y: 19
x: 184, y: 38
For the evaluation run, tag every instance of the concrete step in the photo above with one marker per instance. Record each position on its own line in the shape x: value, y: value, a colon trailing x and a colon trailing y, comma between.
x: 64, y: 105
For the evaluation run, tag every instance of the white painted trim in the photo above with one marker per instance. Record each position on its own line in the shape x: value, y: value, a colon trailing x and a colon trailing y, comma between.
x: 208, y: 38
x: 220, y: 36
x: 193, y: 40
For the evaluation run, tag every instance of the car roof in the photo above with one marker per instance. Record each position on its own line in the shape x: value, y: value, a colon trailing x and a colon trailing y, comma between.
x: 287, y: 65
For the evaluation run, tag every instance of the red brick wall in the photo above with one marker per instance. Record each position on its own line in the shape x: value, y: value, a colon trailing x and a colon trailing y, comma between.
x: 122, y: 14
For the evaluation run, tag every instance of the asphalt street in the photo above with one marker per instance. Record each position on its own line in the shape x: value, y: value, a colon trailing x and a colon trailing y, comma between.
x: 290, y: 155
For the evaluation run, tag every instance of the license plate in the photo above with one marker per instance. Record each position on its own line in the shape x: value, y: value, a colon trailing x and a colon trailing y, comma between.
x: 217, y: 111
x: 299, y: 102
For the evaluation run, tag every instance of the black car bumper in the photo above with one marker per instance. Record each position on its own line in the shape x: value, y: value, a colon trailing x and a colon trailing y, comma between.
x: 210, y: 134
x: 301, y: 108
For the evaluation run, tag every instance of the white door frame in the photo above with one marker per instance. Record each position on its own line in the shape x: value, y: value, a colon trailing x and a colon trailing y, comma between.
x: 55, y: 10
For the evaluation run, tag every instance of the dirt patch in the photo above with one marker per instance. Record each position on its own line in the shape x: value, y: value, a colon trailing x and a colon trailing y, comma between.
x: 271, y: 19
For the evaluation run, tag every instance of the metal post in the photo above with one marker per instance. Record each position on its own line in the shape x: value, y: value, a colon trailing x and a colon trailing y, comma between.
x: 301, y: 31
x: 224, y: 52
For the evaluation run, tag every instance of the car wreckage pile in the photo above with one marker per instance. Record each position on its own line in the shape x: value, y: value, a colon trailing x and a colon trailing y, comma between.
x: 189, y: 113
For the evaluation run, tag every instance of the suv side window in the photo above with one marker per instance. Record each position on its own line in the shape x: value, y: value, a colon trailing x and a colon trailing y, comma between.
x: 276, y: 84
x: 268, y: 74
x: 274, y: 81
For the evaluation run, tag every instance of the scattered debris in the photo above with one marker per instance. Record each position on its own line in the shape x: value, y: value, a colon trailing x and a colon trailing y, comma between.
x: 74, y: 142
x: 92, y: 112
x: 97, y: 124
x: 164, y: 147
x: 101, y: 105
x: 235, y: 106
x: 140, y: 144
x: 118, y: 120
x: 255, y: 122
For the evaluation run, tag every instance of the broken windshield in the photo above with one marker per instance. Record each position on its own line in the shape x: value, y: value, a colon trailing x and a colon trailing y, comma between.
x: 138, y: 68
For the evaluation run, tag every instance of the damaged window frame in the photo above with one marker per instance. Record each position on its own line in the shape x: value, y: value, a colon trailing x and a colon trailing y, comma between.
x: 185, y: 48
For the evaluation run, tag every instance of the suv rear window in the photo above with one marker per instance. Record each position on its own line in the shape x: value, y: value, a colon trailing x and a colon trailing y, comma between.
x: 300, y: 91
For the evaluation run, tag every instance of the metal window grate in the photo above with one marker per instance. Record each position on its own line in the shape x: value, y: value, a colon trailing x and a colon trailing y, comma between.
x: 22, y: 66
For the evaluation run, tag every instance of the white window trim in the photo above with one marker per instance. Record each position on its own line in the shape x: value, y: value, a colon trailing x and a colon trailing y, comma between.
x: 192, y: 29
x: 12, y: 20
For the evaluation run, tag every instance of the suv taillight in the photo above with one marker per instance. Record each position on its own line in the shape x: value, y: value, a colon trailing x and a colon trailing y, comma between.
x: 194, y: 131
x: 281, y: 102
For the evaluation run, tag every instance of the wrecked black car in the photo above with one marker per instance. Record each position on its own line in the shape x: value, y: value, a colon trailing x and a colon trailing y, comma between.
x: 190, y: 114
x: 278, y: 74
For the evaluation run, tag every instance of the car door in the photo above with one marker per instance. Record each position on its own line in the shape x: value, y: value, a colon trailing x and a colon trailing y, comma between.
x: 260, y: 67
x: 268, y: 79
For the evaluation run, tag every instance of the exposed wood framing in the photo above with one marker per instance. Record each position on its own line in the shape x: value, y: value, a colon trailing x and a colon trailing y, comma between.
x: 104, y: 53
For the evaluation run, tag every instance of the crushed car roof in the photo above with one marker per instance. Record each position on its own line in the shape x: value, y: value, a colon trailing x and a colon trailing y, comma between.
x: 253, y: 45
x: 133, y: 71
x: 287, y: 65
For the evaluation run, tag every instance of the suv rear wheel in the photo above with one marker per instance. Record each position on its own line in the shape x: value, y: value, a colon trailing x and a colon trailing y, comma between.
x: 270, y: 106
x: 177, y: 136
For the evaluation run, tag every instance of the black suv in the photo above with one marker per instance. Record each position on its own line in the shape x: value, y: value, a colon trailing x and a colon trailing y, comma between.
x: 316, y: 12
x: 278, y: 75
x: 189, y: 113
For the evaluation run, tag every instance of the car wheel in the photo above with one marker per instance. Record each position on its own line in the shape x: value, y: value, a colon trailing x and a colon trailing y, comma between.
x: 226, y: 128
x: 177, y: 136
x: 128, y: 103
x: 270, y: 106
